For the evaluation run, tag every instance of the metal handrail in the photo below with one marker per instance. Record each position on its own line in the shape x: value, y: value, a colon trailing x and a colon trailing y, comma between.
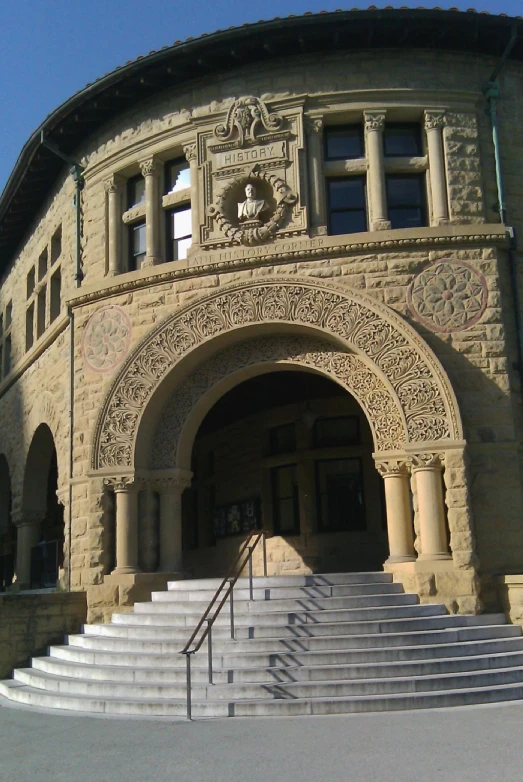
x: 231, y: 580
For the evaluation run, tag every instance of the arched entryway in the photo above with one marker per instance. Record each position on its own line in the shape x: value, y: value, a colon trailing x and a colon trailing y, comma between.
x: 289, y: 452
x: 7, y: 528
x: 157, y: 403
x: 41, y: 524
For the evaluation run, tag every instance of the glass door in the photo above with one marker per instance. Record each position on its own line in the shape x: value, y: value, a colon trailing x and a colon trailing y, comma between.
x: 339, y: 489
x: 285, y: 500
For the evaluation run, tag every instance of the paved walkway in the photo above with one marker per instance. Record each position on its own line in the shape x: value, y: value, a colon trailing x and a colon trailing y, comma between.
x: 477, y: 744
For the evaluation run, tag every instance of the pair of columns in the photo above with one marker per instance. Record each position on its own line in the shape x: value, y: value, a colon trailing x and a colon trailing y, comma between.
x: 427, y: 471
x: 374, y: 122
x: 151, y: 170
x: 170, y: 494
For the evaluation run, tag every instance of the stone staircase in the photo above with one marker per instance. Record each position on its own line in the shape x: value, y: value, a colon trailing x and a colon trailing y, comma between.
x: 318, y: 644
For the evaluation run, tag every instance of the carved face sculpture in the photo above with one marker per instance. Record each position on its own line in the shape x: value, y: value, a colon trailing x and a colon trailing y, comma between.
x: 250, y: 191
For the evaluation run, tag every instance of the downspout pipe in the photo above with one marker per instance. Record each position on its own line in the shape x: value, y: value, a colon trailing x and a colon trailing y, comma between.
x: 492, y: 93
x: 76, y: 171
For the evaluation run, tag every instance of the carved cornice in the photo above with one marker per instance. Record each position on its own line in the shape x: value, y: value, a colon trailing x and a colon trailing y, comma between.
x: 374, y: 120
x: 286, y: 256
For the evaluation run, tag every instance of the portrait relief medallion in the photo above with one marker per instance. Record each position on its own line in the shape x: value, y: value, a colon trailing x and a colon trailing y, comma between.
x: 106, y: 338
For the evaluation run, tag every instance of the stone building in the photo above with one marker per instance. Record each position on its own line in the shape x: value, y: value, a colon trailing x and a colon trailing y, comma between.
x: 240, y: 291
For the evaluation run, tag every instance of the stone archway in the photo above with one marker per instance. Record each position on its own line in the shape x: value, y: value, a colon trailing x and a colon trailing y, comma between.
x: 347, y: 318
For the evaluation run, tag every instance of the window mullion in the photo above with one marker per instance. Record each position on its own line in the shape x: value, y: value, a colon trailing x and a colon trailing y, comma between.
x: 374, y: 126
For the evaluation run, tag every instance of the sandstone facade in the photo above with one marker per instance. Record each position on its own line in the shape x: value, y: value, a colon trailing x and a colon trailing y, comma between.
x: 417, y: 325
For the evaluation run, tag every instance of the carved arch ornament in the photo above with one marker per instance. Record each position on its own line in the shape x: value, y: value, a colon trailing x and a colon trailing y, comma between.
x: 358, y: 324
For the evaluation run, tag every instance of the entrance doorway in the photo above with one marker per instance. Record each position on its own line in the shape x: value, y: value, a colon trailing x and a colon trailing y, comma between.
x: 289, y: 452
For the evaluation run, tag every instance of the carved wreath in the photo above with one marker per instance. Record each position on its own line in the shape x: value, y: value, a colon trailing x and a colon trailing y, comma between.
x: 246, y: 116
x: 252, y: 235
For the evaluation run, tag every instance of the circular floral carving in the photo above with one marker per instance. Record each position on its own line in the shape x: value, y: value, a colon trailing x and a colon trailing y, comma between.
x: 106, y: 338
x: 448, y: 296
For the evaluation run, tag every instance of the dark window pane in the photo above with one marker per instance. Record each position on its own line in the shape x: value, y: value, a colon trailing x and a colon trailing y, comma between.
x: 406, y: 218
x: 346, y: 193
x: 404, y: 191
x: 138, y: 233
x: 402, y: 141
x: 285, y: 499
x: 347, y: 222
x: 336, y: 431
x: 340, y: 495
x: 283, y: 439
x: 343, y: 143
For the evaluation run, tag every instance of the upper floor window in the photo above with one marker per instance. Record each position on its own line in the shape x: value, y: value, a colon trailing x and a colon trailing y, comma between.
x: 6, y: 320
x: 346, y: 197
x: 177, y: 204
x: 137, y: 245
x: 135, y: 191
x: 344, y: 143
x: 179, y: 233
x: 402, y: 140
x: 43, y: 286
x: 177, y: 176
x: 406, y: 200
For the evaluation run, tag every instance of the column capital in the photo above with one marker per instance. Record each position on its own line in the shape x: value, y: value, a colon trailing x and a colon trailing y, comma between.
x: 149, y: 167
x: 113, y: 183
x: 374, y: 120
x: 177, y: 480
x: 434, y: 120
x: 190, y: 152
x: 120, y: 483
x: 313, y: 126
x: 388, y: 467
x: 429, y: 460
x: 24, y: 518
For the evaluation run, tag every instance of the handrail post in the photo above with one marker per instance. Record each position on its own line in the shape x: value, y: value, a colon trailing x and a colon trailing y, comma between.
x: 189, y: 703
x: 251, y: 590
x: 231, y: 605
x: 209, y: 648
x: 264, y: 555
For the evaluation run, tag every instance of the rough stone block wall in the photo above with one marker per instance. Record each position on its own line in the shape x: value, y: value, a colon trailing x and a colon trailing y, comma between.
x: 30, y: 623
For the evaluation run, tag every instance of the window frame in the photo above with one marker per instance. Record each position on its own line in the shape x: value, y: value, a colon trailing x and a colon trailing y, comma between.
x: 423, y: 205
x: 169, y: 239
x: 363, y: 179
x: 338, y: 129
x: 417, y: 127
x: 131, y: 255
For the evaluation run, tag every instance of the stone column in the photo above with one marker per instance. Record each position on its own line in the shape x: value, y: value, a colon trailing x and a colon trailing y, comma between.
x: 113, y: 188
x: 400, y: 531
x: 171, y: 490
x: 377, y: 192
x: 314, y: 132
x: 427, y: 467
x: 149, y: 169
x: 191, y: 155
x: 126, y: 496
x: 28, y: 526
x: 434, y: 123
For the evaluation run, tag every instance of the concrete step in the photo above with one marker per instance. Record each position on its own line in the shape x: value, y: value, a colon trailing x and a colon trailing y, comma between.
x: 281, y: 593
x: 246, y: 618
x: 197, y: 608
x: 456, y: 629
x: 20, y: 693
x: 245, y: 660
x: 264, y: 582
x: 287, y: 690
x: 281, y: 674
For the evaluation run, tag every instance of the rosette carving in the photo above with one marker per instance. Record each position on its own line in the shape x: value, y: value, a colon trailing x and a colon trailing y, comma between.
x: 391, y: 351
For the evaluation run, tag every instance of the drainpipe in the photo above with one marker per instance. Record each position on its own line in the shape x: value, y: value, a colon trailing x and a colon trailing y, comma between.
x: 492, y: 92
x: 76, y: 171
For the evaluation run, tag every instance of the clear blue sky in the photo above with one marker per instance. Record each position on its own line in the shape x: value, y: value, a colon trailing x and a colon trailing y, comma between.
x: 50, y: 49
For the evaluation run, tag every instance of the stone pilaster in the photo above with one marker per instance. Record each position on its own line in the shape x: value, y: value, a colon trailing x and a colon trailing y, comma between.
x: 377, y: 192
x: 126, y: 495
x: 427, y: 469
x: 170, y: 490
x: 114, y: 188
x: 434, y: 124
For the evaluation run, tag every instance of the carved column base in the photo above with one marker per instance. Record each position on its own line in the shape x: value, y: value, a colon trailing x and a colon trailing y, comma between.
x: 150, y: 260
x: 381, y: 225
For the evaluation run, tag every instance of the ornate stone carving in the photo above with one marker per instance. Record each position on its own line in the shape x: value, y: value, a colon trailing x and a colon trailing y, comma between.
x: 106, y: 338
x: 251, y: 234
x: 381, y: 407
x: 113, y: 184
x: 247, y: 118
x: 429, y: 459
x: 190, y: 152
x: 148, y: 167
x: 434, y: 119
x: 391, y: 349
x: 448, y: 296
x: 392, y: 467
x: 313, y: 126
x: 122, y: 482
x: 374, y: 120
x: 173, y: 483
